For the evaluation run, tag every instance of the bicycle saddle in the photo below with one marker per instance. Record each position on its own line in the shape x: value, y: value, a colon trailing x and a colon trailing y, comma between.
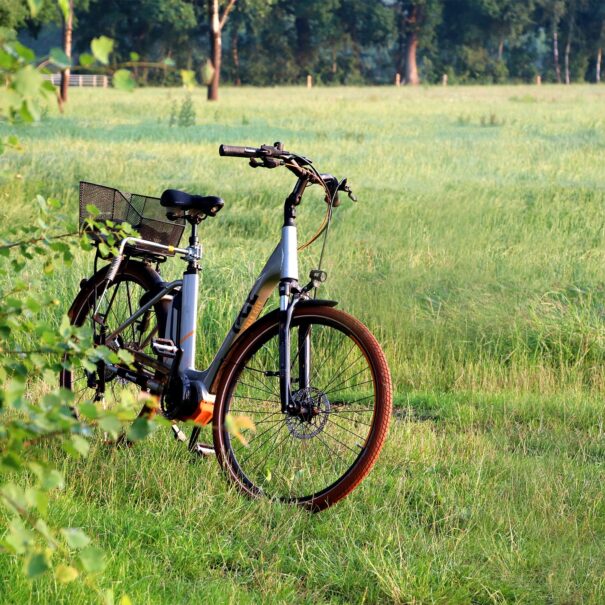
x: 207, y: 204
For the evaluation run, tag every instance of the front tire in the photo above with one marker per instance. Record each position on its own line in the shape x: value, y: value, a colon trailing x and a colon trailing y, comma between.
x: 317, y: 457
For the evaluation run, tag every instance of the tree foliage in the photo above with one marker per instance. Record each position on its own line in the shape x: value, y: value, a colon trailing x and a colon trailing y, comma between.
x: 267, y: 42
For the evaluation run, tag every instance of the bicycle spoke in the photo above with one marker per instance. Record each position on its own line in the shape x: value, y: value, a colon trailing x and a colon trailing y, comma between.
x: 344, y: 381
x: 252, y: 412
x: 340, y: 365
x: 345, y: 418
x: 271, y: 450
x: 256, y: 388
x: 348, y: 431
x: 353, y: 386
x: 309, y: 449
x: 258, y: 436
x: 264, y: 383
x: 325, y: 432
x: 256, y: 399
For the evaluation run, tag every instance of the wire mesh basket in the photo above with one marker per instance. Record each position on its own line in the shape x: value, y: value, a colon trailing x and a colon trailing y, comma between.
x: 144, y: 213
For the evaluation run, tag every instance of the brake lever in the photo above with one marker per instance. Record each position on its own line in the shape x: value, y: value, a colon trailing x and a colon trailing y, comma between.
x: 344, y: 187
x: 266, y: 162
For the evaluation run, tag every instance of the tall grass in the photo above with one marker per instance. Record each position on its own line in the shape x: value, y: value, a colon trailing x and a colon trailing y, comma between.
x: 475, y: 253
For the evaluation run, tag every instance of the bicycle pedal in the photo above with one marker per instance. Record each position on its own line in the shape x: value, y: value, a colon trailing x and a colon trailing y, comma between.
x: 202, y: 449
x: 164, y: 347
x: 178, y: 434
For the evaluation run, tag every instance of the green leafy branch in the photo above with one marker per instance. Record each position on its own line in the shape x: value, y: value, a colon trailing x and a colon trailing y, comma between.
x: 27, y: 478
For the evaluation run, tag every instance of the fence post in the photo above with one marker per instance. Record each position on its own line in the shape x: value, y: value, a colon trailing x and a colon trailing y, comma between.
x: 538, y: 80
x: 397, y: 79
x: 309, y: 81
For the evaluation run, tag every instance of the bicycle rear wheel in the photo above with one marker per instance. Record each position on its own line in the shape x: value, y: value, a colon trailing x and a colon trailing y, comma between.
x: 103, y: 386
x: 342, y: 386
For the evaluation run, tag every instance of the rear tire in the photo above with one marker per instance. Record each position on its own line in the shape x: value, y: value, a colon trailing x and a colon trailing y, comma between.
x: 133, y: 281
x: 317, y: 458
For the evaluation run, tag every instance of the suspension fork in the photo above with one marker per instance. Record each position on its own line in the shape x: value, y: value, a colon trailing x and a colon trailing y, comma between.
x: 286, y: 309
x: 288, y: 295
x: 304, y: 356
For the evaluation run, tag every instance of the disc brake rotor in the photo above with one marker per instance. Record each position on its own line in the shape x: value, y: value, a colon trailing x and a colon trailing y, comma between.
x: 314, y: 408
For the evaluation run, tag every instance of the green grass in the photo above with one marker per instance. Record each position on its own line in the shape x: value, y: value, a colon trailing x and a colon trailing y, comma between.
x: 476, y: 254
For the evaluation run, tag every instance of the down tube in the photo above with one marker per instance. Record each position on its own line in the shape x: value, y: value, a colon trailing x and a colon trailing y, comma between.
x: 251, y: 309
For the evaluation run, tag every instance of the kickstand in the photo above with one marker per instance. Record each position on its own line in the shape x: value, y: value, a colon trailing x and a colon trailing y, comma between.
x: 201, y: 449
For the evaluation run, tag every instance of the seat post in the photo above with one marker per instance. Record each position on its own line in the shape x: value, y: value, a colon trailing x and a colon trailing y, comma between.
x: 194, y: 243
x: 193, y: 237
x: 188, y: 319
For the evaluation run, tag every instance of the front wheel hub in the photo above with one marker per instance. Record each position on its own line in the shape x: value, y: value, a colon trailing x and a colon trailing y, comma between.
x: 309, y: 413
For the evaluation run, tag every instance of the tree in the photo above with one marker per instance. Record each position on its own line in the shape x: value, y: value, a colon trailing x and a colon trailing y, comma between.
x: 13, y: 15
x: 217, y: 23
x: 552, y: 13
x: 367, y: 25
x: 26, y: 420
x: 418, y: 21
x: 590, y: 20
x: 509, y: 19
x: 248, y: 24
x: 68, y: 22
x: 150, y: 30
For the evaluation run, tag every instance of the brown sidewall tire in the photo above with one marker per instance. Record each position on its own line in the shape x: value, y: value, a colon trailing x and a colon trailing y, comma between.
x: 138, y: 272
x: 382, y: 411
x: 134, y: 271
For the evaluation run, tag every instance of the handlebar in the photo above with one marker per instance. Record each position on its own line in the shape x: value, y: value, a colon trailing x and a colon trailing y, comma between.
x: 272, y: 156
x: 264, y: 151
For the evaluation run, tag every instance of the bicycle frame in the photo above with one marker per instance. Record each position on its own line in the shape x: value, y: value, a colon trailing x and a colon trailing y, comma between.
x: 280, y: 269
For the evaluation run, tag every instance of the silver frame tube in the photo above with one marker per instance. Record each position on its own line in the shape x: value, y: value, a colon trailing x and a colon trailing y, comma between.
x: 282, y: 264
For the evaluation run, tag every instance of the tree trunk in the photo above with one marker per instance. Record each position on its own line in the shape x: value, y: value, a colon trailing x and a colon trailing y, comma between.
x: 67, y: 35
x: 500, y: 49
x: 411, y: 68
x: 567, y: 53
x: 216, y: 49
x: 599, y: 57
x: 401, y: 39
x: 235, y: 56
x: 555, y: 53
x: 304, y: 48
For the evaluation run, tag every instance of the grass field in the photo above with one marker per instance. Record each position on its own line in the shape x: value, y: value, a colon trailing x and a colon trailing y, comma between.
x: 476, y: 253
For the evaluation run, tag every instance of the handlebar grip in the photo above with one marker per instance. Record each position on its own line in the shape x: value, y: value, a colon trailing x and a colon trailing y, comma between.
x: 235, y: 151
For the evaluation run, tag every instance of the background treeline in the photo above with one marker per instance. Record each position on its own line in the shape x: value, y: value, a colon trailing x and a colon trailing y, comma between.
x: 267, y: 42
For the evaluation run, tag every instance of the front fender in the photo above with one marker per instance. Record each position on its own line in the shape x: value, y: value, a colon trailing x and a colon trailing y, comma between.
x: 306, y: 302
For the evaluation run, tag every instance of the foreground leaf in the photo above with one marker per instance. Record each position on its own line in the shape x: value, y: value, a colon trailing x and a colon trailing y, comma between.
x: 36, y: 565
x: 101, y: 48
x: 75, y: 537
x: 123, y: 80
x: 66, y: 574
x: 92, y: 559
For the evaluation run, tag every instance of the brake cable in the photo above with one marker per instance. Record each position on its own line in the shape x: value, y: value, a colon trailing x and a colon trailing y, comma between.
x: 328, y: 216
x: 324, y: 228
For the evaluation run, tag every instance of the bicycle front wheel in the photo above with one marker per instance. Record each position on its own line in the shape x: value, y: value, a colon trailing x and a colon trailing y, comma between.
x: 342, y: 389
